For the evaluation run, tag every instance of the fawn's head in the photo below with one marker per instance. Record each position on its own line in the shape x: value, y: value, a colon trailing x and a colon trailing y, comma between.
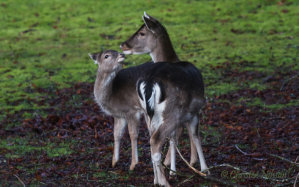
x: 108, y: 61
x: 145, y: 40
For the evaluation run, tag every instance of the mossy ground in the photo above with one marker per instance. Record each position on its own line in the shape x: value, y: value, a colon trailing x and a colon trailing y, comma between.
x: 44, y: 45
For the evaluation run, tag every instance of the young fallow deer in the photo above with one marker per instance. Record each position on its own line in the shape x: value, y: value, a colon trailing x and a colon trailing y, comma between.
x: 153, y: 38
x: 115, y: 92
x: 124, y: 111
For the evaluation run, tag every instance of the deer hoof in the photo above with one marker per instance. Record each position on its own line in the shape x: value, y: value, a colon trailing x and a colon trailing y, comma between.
x: 172, y: 175
x: 114, y: 163
x: 132, y: 167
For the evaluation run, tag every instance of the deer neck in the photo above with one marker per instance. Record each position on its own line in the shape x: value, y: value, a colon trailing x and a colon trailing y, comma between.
x: 164, y: 51
x: 103, y: 88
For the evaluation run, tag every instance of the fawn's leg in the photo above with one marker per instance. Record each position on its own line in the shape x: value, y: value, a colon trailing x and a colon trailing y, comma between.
x: 118, y: 132
x: 133, y: 124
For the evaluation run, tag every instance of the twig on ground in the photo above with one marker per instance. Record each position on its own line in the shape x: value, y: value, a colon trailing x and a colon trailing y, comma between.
x: 205, y: 176
x: 276, y: 156
x: 195, y: 170
x: 247, y: 154
x: 238, y: 169
x: 20, y: 180
x: 284, y: 159
x: 186, y: 180
x: 176, y: 172
x: 296, y: 180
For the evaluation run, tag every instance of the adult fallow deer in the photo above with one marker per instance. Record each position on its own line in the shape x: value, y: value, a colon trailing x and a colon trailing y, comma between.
x: 152, y: 38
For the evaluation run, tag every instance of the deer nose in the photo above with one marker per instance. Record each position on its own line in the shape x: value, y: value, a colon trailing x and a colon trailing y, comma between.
x: 124, y: 46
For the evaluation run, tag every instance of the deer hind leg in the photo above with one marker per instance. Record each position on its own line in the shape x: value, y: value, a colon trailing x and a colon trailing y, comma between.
x: 169, y: 157
x: 172, y: 145
x: 193, y: 128
x: 133, y: 125
x: 156, y: 141
x: 118, y: 132
x: 193, y: 157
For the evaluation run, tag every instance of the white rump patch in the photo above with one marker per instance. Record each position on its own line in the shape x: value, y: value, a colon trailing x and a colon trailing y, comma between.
x: 152, y: 99
x: 159, y: 108
x: 142, y: 91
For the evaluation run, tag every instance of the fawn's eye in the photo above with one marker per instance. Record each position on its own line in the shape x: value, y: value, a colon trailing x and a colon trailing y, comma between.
x: 141, y: 34
x: 106, y: 56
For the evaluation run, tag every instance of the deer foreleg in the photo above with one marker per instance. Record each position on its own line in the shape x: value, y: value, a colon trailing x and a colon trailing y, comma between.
x: 118, y: 132
x: 133, y: 131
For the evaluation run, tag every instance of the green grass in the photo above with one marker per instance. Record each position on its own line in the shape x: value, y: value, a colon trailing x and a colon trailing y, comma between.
x: 18, y: 147
x: 259, y: 102
x: 219, y: 89
x: 45, y: 43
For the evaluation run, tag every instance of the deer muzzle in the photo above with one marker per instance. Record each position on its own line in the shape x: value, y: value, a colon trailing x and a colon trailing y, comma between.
x: 126, y: 48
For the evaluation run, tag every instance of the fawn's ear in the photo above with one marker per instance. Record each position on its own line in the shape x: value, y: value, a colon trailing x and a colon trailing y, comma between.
x: 150, y: 22
x: 93, y: 57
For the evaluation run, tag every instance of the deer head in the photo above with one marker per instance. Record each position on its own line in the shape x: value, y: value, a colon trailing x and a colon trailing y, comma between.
x: 108, y: 61
x: 151, y: 38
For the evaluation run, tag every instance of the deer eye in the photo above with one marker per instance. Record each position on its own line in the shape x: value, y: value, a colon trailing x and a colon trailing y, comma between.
x: 106, y: 56
x: 141, y: 34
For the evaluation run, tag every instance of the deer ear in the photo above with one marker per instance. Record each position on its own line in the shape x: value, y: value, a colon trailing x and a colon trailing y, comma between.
x: 150, y: 17
x: 149, y: 22
x: 146, y: 15
x: 93, y: 57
